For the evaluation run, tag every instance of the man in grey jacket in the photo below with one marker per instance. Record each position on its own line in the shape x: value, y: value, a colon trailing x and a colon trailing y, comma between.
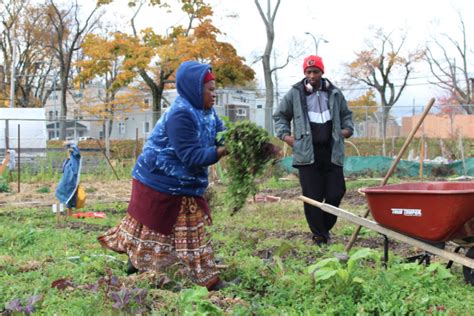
x: 321, y: 120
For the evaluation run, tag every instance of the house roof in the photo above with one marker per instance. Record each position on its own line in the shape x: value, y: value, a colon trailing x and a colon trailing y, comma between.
x: 69, y: 124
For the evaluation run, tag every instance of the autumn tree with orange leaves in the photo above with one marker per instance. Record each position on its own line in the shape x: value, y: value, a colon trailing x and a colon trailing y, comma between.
x: 363, y: 107
x: 114, y: 60
x: 197, y: 40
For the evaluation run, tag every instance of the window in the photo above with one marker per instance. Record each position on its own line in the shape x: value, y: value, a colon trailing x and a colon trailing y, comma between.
x: 146, y: 127
x: 241, y: 112
x: 121, y: 127
x: 147, y: 103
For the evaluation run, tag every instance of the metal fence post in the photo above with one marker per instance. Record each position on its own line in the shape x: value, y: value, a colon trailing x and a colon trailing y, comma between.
x: 7, y: 134
x: 19, y: 152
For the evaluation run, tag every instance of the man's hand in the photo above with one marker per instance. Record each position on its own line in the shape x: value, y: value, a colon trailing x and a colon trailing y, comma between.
x: 346, y: 133
x: 290, y: 140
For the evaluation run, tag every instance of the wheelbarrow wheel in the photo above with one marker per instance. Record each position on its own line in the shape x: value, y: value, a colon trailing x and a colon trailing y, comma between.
x: 468, y: 272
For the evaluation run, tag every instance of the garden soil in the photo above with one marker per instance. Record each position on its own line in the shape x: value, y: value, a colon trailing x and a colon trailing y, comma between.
x: 98, y: 191
x: 119, y: 191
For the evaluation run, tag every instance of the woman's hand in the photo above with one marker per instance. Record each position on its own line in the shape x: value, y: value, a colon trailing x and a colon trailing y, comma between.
x: 221, y: 152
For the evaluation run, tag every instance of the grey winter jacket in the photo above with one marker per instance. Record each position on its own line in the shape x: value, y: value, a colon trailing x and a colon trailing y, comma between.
x: 293, y: 107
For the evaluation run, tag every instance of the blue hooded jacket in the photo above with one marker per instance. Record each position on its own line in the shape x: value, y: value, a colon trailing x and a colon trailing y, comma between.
x: 182, y: 144
x: 67, y: 186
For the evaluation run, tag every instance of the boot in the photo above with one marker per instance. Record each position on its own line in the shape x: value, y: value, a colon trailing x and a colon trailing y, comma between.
x: 223, y: 284
x: 219, y: 286
x: 130, y: 268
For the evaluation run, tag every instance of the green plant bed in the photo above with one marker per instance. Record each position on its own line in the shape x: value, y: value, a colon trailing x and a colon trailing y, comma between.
x: 63, y: 269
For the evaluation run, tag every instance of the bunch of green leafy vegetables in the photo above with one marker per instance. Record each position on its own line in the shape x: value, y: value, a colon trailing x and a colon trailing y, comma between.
x: 250, y: 151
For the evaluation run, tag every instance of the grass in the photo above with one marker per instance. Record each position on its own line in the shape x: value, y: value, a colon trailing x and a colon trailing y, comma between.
x: 266, y: 245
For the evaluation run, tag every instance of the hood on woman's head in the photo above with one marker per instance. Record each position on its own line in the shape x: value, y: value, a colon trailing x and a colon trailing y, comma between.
x: 190, y: 82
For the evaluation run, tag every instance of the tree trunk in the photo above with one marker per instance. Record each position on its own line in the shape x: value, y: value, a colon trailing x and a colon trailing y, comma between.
x: 268, y: 94
x: 63, y: 110
x: 269, y: 21
x: 385, y: 115
x: 156, y: 92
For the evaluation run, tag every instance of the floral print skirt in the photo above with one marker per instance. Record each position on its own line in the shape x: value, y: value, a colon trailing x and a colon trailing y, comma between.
x: 149, y: 250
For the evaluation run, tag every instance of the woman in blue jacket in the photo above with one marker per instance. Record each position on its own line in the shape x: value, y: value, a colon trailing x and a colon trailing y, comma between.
x: 167, y: 213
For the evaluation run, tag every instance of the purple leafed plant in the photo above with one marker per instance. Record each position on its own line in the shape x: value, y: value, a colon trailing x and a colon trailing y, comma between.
x: 122, y: 299
x: 16, y: 306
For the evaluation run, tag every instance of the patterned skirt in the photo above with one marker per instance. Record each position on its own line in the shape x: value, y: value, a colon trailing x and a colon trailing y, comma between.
x: 149, y: 250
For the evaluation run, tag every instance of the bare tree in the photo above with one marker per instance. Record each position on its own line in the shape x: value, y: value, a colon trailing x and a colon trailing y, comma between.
x: 269, y: 21
x: 377, y: 66
x: 67, y: 34
x: 9, y: 15
x: 452, y: 74
x: 33, y: 59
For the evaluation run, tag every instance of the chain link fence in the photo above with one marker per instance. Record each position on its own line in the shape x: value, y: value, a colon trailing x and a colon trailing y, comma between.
x: 38, y: 139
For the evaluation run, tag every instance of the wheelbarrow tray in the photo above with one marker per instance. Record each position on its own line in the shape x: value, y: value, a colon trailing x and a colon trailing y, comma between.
x: 431, y: 211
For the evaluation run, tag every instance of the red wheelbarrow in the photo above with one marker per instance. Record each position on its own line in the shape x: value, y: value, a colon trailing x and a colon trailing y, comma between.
x: 423, y: 214
x: 431, y: 211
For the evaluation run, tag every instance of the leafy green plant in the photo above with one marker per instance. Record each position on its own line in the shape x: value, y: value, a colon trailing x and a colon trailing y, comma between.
x: 340, y: 274
x: 4, y: 187
x: 193, y: 302
x: 249, y: 150
x: 43, y: 190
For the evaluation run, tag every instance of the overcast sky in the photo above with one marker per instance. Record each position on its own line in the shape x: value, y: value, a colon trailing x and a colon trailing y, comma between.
x: 343, y: 23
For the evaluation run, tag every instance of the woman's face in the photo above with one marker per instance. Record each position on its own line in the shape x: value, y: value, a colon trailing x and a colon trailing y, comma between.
x: 209, y: 94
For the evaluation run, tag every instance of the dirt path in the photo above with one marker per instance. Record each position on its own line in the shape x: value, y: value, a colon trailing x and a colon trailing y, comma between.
x: 37, y: 193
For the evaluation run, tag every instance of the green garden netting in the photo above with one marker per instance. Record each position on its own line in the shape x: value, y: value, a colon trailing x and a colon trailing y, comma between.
x: 379, y: 165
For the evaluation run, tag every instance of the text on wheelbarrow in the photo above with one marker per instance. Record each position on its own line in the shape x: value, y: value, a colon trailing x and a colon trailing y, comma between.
x: 406, y: 211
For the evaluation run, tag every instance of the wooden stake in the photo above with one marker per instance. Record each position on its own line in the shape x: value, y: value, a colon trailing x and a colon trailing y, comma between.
x: 422, y: 156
